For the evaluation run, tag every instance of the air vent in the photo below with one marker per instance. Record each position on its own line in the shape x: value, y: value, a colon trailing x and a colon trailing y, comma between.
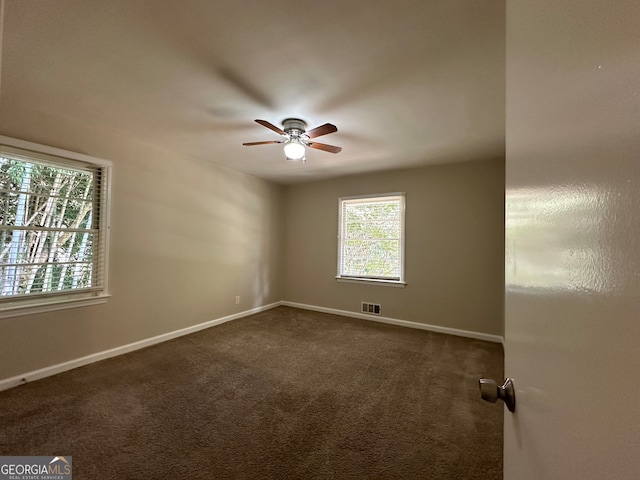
x: 372, y: 308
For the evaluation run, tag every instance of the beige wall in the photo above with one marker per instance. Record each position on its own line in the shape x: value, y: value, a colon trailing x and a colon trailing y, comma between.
x: 454, y: 245
x: 186, y: 238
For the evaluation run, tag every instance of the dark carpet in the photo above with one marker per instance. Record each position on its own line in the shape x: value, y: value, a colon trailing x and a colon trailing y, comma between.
x: 283, y: 394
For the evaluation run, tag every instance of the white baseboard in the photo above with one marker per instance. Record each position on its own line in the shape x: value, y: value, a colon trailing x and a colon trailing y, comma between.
x: 95, y: 357
x: 402, y: 323
x: 7, y: 383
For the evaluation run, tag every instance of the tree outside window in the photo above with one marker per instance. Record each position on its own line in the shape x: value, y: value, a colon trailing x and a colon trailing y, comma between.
x: 52, y: 226
x: 371, y: 238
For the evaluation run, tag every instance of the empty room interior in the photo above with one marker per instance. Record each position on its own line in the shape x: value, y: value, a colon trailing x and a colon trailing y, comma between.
x: 267, y: 239
x: 222, y: 332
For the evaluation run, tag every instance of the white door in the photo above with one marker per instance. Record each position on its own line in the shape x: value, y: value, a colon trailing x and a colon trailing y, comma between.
x: 573, y: 239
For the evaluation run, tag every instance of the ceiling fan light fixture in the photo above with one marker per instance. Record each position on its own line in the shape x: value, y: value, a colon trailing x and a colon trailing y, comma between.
x: 294, y: 150
x: 297, y: 137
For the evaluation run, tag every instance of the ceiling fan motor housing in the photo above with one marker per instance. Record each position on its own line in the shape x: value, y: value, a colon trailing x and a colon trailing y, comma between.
x: 290, y: 125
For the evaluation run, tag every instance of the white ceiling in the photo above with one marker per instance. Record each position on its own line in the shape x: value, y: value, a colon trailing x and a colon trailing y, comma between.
x: 407, y: 83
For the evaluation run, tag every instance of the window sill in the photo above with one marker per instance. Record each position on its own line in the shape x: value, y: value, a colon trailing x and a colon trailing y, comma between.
x: 371, y: 281
x: 33, y: 307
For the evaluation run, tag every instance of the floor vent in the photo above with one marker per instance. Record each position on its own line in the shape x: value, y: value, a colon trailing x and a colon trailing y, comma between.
x: 373, y: 308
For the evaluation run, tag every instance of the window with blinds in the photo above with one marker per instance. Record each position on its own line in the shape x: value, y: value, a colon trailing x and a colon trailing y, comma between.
x: 53, y: 222
x: 371, y: 238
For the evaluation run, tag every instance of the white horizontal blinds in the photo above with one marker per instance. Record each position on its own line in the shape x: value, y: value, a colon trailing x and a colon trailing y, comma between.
x: 50, y: 235
x: 371, y: 237
x: 98, y: 225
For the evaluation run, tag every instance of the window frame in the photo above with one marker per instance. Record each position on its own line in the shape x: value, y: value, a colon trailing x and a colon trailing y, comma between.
x: 401, y: 282
x: 19, y: 305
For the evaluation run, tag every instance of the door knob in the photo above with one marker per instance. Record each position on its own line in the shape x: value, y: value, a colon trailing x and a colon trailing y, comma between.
x: 491, y: 392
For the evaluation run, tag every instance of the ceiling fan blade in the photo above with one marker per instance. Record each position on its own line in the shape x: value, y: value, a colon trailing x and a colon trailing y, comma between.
x: 248, y: 144
x: 325, y: 147
x: 321, y: 130
x: 271, y: 126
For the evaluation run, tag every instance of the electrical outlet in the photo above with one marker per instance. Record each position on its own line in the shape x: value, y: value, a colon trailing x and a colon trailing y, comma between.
x: 237, y: 299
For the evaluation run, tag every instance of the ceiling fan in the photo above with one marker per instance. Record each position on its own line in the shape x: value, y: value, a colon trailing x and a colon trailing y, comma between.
x: 296, y: 137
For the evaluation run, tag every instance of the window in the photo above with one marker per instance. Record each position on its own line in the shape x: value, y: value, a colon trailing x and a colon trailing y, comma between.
x: 53, y: 228
x: 371, y: 238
